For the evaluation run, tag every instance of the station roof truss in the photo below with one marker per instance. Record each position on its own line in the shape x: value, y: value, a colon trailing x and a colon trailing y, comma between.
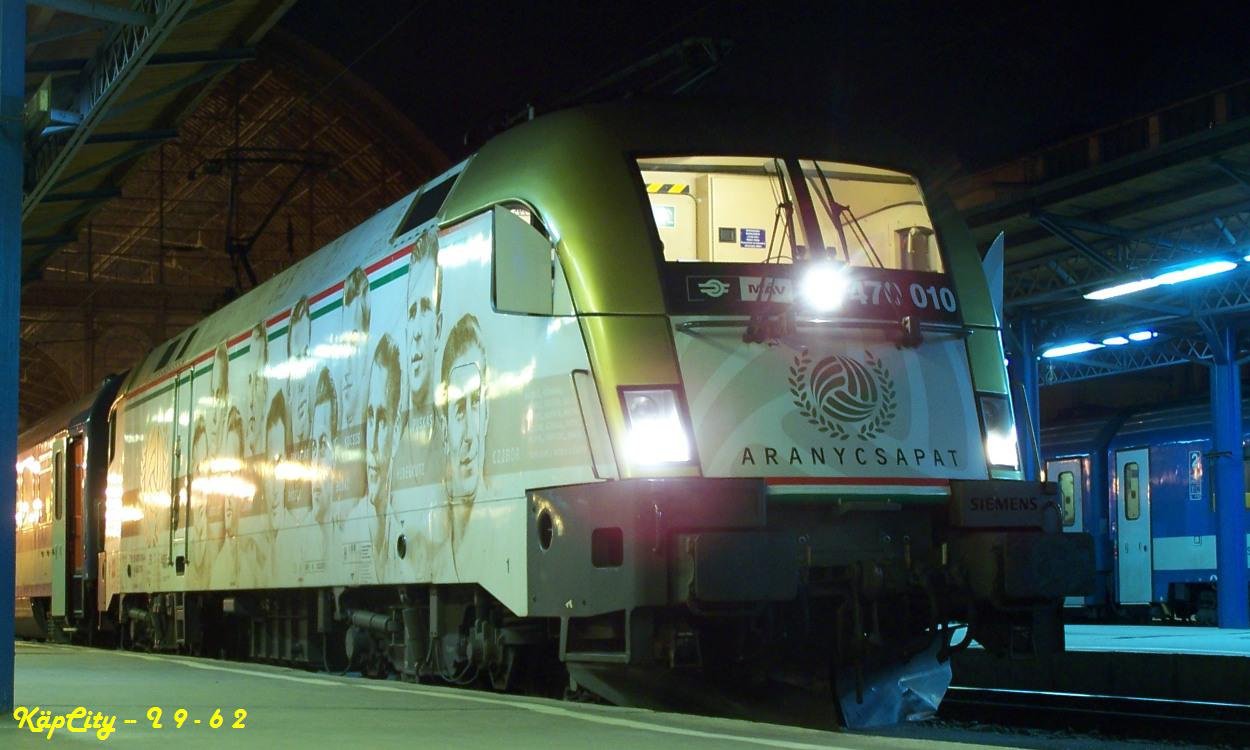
x: 106, y: 82
x: 132, y: 253
x: 1126, y: 202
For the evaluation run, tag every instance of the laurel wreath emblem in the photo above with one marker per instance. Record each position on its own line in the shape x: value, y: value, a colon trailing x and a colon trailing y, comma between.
x: 826, y: 406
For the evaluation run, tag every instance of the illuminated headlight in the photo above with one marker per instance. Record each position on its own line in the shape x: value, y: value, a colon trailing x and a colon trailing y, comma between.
x: 999, y: 426
x: 656, y: 431
x: 823, y: 285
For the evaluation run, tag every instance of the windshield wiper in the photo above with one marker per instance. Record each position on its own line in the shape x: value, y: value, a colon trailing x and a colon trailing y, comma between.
x: 835, y: 211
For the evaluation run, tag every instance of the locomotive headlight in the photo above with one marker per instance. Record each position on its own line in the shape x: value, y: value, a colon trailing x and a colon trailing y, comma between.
x: 999, y: 426
x: 823, y: 286
x: 656, y: 431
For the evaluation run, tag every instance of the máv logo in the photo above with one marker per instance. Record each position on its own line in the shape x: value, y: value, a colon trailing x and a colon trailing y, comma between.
x: 842, y: 396
x: 714, y: 288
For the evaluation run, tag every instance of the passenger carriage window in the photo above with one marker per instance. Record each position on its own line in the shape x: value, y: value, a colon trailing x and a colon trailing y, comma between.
x: 1132, y: 492
x: 58, y: 485
x: 1067, y: 492
x: 112, y: 434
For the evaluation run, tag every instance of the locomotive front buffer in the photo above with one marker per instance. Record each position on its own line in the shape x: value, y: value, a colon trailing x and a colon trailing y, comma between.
x: 744, y: 584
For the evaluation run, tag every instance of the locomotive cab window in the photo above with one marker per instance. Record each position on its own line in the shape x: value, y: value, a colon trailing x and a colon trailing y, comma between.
x: 1067, y: 493
x: 1132, y: 491
x: 523, y: 263
x: 734, y: 209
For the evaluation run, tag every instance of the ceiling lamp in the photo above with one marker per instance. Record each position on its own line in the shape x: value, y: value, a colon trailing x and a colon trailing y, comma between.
x: 1176, y: 276
x: 1067, y: 349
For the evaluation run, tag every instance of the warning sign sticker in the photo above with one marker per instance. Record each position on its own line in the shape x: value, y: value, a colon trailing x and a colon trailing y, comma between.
x: 748, y: 237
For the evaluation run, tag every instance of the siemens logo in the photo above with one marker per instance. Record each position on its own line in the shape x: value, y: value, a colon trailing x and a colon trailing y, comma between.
x: 1002, y: 503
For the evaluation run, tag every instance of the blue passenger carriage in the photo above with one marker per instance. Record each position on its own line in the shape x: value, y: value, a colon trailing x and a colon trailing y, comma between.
x: 1140, y: 484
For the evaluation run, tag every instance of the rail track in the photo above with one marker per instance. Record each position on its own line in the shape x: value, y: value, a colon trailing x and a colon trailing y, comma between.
x: 1124, y: 717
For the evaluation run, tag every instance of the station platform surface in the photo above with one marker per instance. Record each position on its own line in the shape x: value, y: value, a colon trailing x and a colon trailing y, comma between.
x: 287, y: 708
x: 1141, y: 661
x: 1161, y: 639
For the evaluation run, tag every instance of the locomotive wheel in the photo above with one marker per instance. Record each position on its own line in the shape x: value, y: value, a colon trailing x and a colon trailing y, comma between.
x: 334, y: 654
x: 502, y: 672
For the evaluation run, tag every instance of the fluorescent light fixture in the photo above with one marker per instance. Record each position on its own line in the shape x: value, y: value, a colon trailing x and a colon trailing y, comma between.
x: 1142, y: 335
x: 1196, y: 272
x: 1180, y: 275
x: 1115, y: 341
x: 1066, y: 349
x: 1119, y: 290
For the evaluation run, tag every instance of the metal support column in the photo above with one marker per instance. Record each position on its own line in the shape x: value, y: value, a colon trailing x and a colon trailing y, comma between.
x: 1233, y: 600
x: 1028, y: 418
x: 12, y: 99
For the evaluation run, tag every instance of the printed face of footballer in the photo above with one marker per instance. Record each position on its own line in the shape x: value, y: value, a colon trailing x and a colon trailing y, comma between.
x: 275, y: 454
x: 356, y: 368
x: 422, y: 331
x: 379, y: 431
x: 232, y: 447
x: 257, y: 390
x: 466, y: 425
x: 322, y: 474
x: 301, y: 335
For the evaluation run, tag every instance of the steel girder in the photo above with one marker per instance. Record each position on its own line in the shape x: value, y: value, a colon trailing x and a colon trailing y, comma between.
x: 107, y: 75
x: 1127, y: 358
x: 1059, y: 275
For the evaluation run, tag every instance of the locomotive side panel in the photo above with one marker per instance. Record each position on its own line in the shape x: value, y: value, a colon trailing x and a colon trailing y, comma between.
x: 501, y: 416
x: 191, y: 477
x: 383, y: 429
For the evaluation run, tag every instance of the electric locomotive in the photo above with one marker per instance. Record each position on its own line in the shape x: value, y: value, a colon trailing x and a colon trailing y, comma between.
x: 655, y: 394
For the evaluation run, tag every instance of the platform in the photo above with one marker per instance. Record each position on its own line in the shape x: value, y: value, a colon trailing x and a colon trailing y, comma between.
x: 292, y: 709
x: 1158, y: 639
x: 1144, y: 661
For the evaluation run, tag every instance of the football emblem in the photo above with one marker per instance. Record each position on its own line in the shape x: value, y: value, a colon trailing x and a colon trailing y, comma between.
x: 842, y: 396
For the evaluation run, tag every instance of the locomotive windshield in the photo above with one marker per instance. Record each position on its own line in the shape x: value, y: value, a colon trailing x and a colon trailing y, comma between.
x: 734, y: 209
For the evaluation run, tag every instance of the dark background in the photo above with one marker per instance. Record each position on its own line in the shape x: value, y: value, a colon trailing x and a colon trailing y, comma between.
x: 979, y: 82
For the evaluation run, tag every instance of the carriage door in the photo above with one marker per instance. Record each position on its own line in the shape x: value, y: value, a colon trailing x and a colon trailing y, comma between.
x: 1133, y: 566
x: 180, y: 474
x: 75, y: 498
x: 60, y: 563
x: 1069, y: 476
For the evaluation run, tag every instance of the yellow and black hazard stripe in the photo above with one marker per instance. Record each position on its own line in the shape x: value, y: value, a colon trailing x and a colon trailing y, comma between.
x: 669, y: 188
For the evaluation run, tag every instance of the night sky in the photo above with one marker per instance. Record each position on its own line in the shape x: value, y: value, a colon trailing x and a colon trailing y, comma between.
x: 976, y: 81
